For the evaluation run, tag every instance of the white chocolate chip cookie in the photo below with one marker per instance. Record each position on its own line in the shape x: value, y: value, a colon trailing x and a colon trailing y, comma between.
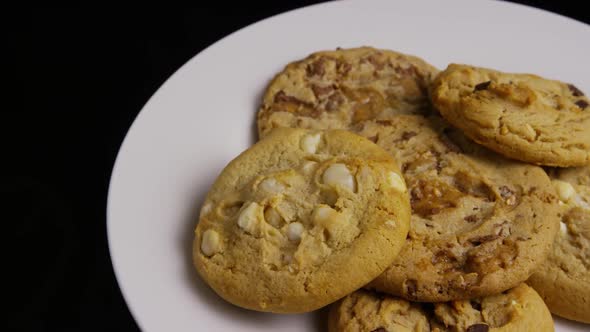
x: 297, y: 211
x: 563, y: 280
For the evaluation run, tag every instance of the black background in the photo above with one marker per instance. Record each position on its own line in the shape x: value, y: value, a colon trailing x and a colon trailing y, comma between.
x: 76, y: 80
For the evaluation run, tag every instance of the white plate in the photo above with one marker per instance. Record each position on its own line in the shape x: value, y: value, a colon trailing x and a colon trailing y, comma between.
x: 204, y: 115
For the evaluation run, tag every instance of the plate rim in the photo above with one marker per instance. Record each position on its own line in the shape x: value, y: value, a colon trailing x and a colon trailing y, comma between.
x: 142, y: 113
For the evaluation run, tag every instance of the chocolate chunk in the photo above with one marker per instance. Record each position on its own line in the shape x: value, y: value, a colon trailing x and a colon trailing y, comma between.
x: 471, y: 218
x: 431, y: 197
x: 411, y: 287
x: 376, y: 62
x: 432, y: 211
x: 439, y: 166
x: 482, y: 86
x: 374, y: 139
x: 478, y: 328
x: 384, y: 122
x: 320, y: 91
x: 475, y: 305
x: 285, y: 103
x: 334, y: 101
x: 470, y: 185
x: 575, y: 91
x: 281, y: 96
x: 582, y: 104
x: 379, y: 329
x: 410, y: 71
x: 505, y: 192
x: 508, y: 195
x: 481, y: 239
x: 443, y: 256
x: 343, y: 68
x: 408, y: 134
x: 416, y: 194
x: 316, y: 68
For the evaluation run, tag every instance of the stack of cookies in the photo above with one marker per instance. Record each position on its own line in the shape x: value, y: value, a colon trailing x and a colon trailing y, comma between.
x: 416, y: 199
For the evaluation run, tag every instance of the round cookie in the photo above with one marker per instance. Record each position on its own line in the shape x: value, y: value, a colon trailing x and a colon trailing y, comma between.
x: 521, y: 116
x: 518, y: 309
x: 563, y: 280
x: 480, y: 223
x: 338, y: 89
x: 286, y: 220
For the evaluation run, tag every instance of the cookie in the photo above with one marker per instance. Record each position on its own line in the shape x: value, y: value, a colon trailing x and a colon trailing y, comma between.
x: 518, y: 309
x: 301, y: 219
x: 521, y: 116
x: 480, y: 223
x: 338, y: 89
x: 564, y: 279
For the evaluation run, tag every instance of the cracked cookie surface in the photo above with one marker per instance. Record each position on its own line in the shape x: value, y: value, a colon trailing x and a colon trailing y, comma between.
x: 521, y: 116
x: 518, y: 309
x: 563, y: 280
x: 301, y: 219
x: 480, y: 223
x: 339, y: 89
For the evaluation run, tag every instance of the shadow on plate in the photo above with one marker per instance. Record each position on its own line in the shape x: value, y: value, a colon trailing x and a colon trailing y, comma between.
x: 570, y: 324
x: 254, y: 124
x: 320, y: 319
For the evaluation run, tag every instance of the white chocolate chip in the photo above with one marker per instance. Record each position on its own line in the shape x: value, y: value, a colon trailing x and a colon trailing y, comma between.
x: 364, y: 174
x: 396, y: 182
x: 309, y: 143
x: 294, y: 231
x: 513, y: 302
x: 309, y: 166
x: 339, y: 175
x: 565, y: 191
x: 273, y: 217
x: 323, y: 212
x: 562, y: 228
x: 391, y: 223
x: 205, y: 209
x: 210, y: 243
x: 328, y: 218
x: 249, y: 217
x: 272, y: 186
